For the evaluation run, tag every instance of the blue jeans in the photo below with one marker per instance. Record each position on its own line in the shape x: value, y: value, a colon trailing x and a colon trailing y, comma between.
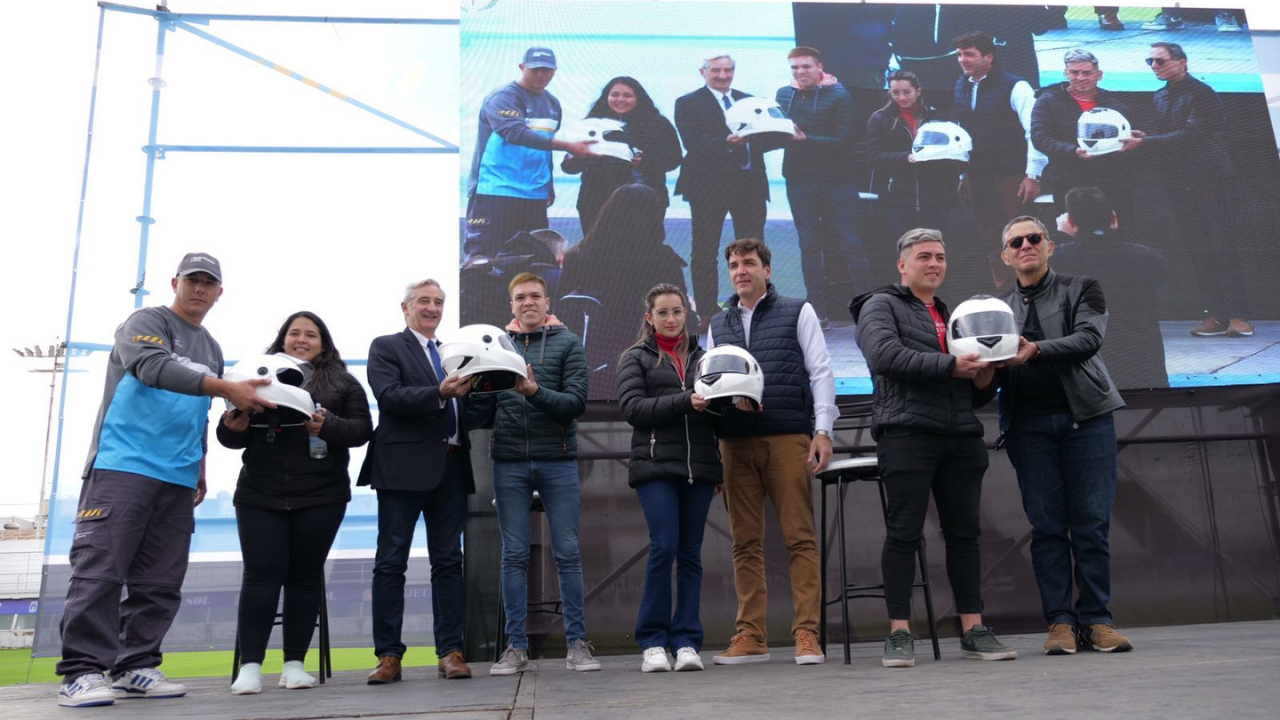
x: 676, y: 512
x: 829, y: 218
x: 557, y: 483
x: 1067, y: 475
x: 445, y: 511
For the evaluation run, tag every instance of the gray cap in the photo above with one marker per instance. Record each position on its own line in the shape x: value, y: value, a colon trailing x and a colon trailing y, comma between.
x: 200, y: 262
x: 539, y: 57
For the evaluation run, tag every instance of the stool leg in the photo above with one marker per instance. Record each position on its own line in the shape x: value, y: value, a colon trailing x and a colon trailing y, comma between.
x: 824, y: 549
x: 500, y: 622
x: 844, y: 571
x: 928, y: 600
x: 326, y: 662
x: 235, y: 657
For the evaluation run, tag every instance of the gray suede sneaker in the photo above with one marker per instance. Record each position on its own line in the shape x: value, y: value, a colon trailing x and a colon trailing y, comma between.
x: 899, y: 649
x: 514, y: 660
x: 981, y: 644
x: 580, y: 657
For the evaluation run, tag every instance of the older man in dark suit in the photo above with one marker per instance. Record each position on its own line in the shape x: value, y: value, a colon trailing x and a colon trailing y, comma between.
x: 419, y: 464
x: 722, y: 174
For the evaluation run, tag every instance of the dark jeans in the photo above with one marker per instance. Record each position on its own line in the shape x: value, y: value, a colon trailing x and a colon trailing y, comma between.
x: 131, y: 531
x: 1067, y: 475
x: 707, y: 213
x: 1208, y: 226
x: 829, y: 220
x: 493, y: 219
x: 445, y: 512
x: 676, y: 512
x: 913, y: 464
x: 283, y: 549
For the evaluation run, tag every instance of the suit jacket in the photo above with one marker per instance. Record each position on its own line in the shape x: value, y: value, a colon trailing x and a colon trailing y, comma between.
x: 407, y: 451
x: 711, y: 165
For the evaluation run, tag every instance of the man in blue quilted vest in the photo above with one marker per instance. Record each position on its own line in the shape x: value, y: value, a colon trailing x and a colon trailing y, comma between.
x: 774, y: 452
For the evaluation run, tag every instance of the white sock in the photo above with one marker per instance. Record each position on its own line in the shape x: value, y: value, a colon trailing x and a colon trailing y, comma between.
x: 249, y: 681
x: 294, y: 677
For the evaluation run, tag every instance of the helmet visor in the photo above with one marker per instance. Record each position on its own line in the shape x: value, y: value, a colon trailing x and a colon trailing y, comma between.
x: 1099, y: 131
x: 504, y: 341
x: 718, y: 364
x: 983, y: 323
x: 926, y: 138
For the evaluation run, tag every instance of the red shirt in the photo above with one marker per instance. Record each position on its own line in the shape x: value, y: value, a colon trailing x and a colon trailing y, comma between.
x: 1086, y: 104
x: 913, y: 123
x: 939, y: 325
x: 668, y: 346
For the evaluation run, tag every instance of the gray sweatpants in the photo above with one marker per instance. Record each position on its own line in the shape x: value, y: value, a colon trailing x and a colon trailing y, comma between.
x: 131, y: 531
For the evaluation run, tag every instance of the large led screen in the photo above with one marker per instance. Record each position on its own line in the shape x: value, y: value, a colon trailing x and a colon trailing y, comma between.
x: 1190, y: 304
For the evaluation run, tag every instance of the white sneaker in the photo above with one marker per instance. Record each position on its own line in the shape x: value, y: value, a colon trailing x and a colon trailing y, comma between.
x: 146, y: 683
x: 293, y: 677
x: 580, y: 657
x: 655, y: 660
x: 688, y: 659
x: 248, y: 680
x: 86, y: 691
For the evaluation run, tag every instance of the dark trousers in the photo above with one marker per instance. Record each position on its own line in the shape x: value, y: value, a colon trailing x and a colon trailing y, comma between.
x: 676, y: 512
x: 829, y: 220
x: 1067, y: 475
x: 912, y: 465
x: 131, y: 531
x: 493, y: 219
x: 283, y: 549
x: 707, y: 214
x: 445, y: 511
x: 1207, y: 225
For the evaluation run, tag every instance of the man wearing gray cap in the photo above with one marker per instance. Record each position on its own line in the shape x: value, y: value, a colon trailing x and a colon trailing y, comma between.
x: 144, y: 477
x: 510, y: 185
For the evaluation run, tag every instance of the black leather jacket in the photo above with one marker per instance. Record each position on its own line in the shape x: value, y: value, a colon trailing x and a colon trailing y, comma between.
x: 1073, y: 318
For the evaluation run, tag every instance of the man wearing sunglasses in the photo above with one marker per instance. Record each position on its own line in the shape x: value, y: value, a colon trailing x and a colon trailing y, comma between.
x: 1188, y: 144
x: 1056, y: 405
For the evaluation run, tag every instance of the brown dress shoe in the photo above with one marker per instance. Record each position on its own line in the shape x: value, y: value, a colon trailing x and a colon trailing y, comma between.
x: 388, y: 671
x: 453, y: 667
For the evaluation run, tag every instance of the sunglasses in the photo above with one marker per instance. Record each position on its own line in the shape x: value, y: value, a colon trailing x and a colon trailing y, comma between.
x: 1158, y: 62
x: 1033, y: 238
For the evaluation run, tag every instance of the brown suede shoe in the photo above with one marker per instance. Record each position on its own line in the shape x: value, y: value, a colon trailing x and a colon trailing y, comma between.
x: 1239, y: 327
x: 388, y: 671
x: 743, y: 648
x: 1104, y: 638
x: 453, y: 667
x: 1062, y: 640
x: 807, y: 650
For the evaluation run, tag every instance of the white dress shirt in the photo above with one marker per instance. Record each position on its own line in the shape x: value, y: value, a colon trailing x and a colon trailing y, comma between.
x: 822, y: 381
x: 454, y: 439
x: 1021, y: 100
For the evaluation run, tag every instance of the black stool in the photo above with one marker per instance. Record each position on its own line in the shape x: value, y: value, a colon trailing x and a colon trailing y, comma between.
x: 839, y: 474
x: 545, y: 607
x: 322, y: 624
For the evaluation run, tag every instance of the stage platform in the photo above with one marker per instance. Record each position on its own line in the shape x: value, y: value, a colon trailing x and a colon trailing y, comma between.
x: 1227, y: 670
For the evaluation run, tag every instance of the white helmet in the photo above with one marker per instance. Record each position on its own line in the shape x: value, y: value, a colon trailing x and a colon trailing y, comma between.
x: 597, y: 129
x: 728, y: 372
x: 755, y: 115
x: 1100, y: 131
x: 983, y: 325
x: 941, y: 140
x: 287, y: 375
x: 485, y: 354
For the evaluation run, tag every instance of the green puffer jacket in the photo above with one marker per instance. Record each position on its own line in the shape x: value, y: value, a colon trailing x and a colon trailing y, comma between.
x: 544, y: 426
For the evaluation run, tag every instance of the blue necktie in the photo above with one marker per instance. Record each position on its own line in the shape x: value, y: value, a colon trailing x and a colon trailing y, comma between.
x: 451, y: 417
x: 726, y: 101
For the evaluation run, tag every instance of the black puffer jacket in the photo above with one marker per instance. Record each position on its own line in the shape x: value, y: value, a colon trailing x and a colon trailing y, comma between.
x: 279, y: 472
x: 671, y: 439
x: 911, y: 374
x: 544, y: 426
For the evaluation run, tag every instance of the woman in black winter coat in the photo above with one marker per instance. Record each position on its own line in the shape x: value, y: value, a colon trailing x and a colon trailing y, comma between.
x: 290, y: 499
x: 647, y: 131
x: 912, y: 194
x: 675, y: 470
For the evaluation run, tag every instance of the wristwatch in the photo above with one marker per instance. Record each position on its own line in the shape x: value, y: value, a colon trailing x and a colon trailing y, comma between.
x: 824, y: 433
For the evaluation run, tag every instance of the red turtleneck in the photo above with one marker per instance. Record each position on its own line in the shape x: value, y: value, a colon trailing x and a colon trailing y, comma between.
x: 668, y: 346
x: 911, y: 119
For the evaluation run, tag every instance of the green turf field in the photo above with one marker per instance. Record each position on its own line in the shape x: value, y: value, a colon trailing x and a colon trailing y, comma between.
x: 16, y: 666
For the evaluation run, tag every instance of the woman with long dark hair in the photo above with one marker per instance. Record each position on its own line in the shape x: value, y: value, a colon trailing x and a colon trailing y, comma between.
x: 647, y: 132
x: 621, y: 257
x: 675, y: 470
x: 290, y: 499
x: 913, y: 194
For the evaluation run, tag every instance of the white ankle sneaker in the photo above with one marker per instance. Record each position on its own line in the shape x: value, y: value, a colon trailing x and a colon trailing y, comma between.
x: 146, y: 683
x: 655, y: 660
x: 248, y: 680
x: 688, y: 659
x: 293, y: 677
x: 88, y: 690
